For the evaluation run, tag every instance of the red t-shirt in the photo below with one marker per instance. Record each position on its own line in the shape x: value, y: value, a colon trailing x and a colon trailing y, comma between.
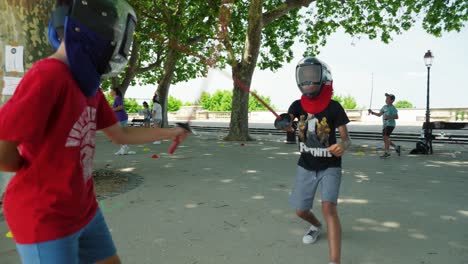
x: 52, y: 196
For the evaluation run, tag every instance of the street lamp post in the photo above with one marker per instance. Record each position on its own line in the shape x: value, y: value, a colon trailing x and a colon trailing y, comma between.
x: 428, y: 58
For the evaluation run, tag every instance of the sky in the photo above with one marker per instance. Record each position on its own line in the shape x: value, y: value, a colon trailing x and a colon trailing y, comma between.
x: 359, y: 66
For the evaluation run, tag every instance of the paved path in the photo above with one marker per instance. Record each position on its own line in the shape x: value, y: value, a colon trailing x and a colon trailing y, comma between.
x: 223, y: 202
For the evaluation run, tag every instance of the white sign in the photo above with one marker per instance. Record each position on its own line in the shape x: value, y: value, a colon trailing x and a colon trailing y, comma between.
x: 10, y: 85
x: 14, y: 58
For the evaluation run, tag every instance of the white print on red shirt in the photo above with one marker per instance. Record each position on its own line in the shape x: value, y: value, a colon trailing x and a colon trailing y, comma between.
x: 83, y: 134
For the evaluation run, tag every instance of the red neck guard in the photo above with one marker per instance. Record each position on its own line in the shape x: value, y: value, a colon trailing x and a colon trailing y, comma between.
x: 319, y: 103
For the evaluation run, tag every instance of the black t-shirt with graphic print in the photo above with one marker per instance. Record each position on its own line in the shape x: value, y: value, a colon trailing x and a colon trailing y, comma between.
x: 317, y: 133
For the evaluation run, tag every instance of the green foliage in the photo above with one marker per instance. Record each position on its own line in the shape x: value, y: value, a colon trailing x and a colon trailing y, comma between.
x: 131, y: 105
x: 173, y: 104
x: 380, y: 19
x: 221, y: 101
x: 255, y: 105
x: 460, y: 115
x: 403, y: 104
x: 174, y: 32
x: 348, y: 102
x: 277, y: 37
x: 338, y: 98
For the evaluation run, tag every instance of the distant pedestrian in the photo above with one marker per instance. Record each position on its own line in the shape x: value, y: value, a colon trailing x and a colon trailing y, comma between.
x: 157, y: 114
x: 119, y: 110
x: 389, y: 114
x: 147, y: 114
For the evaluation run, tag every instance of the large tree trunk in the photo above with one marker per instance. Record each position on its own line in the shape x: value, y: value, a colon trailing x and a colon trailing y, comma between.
x: 165, y: 83
x: 23, y: 23
x: 242, y: 76
x: 239, y: 125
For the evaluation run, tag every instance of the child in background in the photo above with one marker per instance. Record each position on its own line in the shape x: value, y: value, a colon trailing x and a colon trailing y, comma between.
x: 146, y: 114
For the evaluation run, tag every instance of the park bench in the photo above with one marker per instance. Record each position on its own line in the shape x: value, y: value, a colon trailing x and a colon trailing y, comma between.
x: 424, y: 146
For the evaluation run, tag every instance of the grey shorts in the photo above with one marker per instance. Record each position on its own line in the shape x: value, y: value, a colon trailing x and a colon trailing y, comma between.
x: 157, y: 122
x: 302, y: 197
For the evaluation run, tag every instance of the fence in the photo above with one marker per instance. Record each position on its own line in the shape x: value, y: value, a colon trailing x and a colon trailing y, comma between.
x: 357, y: 115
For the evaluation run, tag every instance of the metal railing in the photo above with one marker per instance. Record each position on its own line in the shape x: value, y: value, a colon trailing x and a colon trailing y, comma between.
x: 408, y: 137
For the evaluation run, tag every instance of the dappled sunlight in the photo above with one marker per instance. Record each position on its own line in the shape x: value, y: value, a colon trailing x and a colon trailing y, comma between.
x: 391, y: 224
x: 270, y: 148
x: 352, y: 201
x: 462, y: 212
x: 283, y: 153
x: 169, y: 165
x: 361, y: 178
x: 226, y: 180
x: 281, y: 190
x: 271, y: 158
x: 129, y: 169
x: 455, y: 163
x: 207, y: 154
x: 434, y: 181
x: 414, y: 233
x: 457, y: 245
x: 258, y: 197
x: 433, y: 165
x: 374, y: 225
x: 379, y: 172
x: 207, y: 169
x: 367, y: 221
x: 448, y: 217
x: 191, y: 205
x: 418, y: 236
x: 250, y: 171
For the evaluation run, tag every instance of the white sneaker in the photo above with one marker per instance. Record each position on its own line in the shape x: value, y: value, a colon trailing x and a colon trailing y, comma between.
x: 123, y: 150
x: 311, y: 235
x: 120, y: 152
x: 157, y: 142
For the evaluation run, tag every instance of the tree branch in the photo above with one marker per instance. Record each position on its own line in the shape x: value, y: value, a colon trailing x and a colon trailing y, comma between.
x: 283, y: 9
x: 153, y: 65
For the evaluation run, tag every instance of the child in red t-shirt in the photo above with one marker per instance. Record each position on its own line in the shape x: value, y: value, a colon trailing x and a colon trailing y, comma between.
x: 50, y: 205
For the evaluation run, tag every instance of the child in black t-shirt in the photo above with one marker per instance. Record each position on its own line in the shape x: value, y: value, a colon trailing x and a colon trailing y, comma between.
x: 320, y: 160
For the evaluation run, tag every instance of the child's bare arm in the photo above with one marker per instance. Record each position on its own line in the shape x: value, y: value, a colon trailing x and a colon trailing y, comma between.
x: 339, y: 148
x: 375, y: 113
x: 10, y: 158
x: 133, y: 135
